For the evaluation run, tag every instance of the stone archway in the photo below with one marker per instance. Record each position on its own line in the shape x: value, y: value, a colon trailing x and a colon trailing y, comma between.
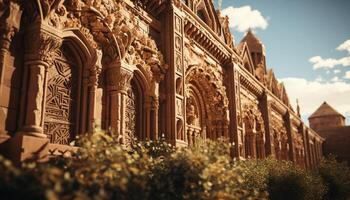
x: 280, y: 141
x: 61, y: 117
x: 249, y: 137
x: 206, y: 104
x: 254, y: 134
x: 195, y: 114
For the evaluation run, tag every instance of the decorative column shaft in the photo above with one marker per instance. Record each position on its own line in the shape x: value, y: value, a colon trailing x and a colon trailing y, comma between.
x: 93, y: 109
x: 9, y: 24
x: 290, y: 137
x: 154, y: 118
x: 118, y: 82
x: 39, y: 49
x: 265, y: 110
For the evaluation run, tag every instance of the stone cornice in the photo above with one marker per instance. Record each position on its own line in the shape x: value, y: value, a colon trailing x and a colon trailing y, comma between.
x: 248, y: 82
x: 196, y: 29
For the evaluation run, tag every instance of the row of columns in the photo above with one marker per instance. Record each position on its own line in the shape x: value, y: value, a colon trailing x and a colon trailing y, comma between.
x: 38, y: 58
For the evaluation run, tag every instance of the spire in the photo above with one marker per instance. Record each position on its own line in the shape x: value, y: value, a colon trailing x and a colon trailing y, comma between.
x: 298, y: 109
x: 253, y: 42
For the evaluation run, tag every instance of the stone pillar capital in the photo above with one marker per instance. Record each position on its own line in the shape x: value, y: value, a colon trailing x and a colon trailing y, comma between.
x: 118, y: 79
x: 41, y: 46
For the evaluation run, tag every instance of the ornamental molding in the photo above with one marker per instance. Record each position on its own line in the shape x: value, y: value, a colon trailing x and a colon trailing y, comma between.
x: 41, y: 46
x: 210, y: 81
x: 106, y: 24
x: 253, y: 116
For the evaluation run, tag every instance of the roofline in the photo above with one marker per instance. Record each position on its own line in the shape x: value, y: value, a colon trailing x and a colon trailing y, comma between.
x: 329, y: 115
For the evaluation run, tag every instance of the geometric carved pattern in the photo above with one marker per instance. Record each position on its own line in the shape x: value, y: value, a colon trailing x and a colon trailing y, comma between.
x: 130, y: 115
x: 59, y: 121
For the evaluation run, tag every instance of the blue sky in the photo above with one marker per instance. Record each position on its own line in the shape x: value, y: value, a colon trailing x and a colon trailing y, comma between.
x: 301, y: 39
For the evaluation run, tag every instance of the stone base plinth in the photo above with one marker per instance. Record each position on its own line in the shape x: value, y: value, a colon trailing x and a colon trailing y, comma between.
x: 22, y: 147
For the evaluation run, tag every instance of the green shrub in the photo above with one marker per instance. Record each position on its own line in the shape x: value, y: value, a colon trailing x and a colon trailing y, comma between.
x: 282, y: 180
x: 105, y: 169
x: 336, y: 176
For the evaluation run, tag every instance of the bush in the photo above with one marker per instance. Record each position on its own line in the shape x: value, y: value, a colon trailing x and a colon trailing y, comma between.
x: 104, y: 169
x: 336, y: 177
x: 282, y: 180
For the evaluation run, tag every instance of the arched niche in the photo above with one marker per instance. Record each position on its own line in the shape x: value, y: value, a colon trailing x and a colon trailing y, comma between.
x: 206, y: 103
x: 66, y: 106
x: 254, y: 134
x: 249, y: 137
x: 135, y: 123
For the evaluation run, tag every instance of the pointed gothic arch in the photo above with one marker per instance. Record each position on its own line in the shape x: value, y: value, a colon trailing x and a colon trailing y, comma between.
x: 67, y: 107
x: 254, y: 134
x: 206, y: 103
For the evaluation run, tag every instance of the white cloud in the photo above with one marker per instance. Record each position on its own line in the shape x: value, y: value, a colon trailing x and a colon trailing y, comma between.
x: 245, y: 17
x: 347, y: 75
x: 336, y: 71
x: 319, y: 62
x: 335, y: 79
x: 345, y: 46
x: 311, y: 94
x: 319, y: 79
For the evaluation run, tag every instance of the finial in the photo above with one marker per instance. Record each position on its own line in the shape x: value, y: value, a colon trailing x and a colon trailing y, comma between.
x: 298, y: 109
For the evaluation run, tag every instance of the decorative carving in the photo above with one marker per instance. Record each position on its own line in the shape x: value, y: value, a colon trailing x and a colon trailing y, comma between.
x: 178, y: 43
x: 178, y: 63
x: 9, y: 22
x: 130, y: 116
x: 59, y: 122
x: 179, y: 110
x: 118, y: 79
x: 191, y: 112
x: 224, y: 21
x: 178, y: 24
x: 210, y: 82
x: 41, y: 46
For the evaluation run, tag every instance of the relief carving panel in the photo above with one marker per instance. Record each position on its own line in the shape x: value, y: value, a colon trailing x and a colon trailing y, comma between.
x: 130, y: 115
x: 59, y: 123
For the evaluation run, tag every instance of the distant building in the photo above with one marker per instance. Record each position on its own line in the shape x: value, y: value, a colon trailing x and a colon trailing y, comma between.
x: 330, y: 124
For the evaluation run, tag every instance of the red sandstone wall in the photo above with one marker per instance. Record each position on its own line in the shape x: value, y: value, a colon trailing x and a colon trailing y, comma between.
x: 10, y: 85
x: 338, y: 143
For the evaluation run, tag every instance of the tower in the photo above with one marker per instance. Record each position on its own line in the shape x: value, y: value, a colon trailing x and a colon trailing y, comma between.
x: 256, y: 48
x: 326, y: 117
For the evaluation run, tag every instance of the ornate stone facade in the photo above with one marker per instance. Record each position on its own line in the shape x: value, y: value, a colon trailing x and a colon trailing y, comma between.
x: 141, y: 69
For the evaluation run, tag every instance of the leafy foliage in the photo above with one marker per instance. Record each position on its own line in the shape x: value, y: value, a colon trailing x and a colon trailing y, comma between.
x: 105, y: 169
x: 336, y: 177
x: 283, y: 180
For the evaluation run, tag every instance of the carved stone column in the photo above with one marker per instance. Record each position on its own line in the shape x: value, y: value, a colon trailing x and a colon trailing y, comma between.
x: 154, y: 118
x: 118, y: 82
x: 147, y: 105
x: 39, y: 47
x: 10, y: 15
x: 94, y: 104
x: 235, y: 120
x: 290, y: 136
x: 265, y: 110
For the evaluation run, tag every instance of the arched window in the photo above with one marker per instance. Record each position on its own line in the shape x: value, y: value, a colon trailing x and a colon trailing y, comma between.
x: 134, y: 124
x: 62, y: 95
